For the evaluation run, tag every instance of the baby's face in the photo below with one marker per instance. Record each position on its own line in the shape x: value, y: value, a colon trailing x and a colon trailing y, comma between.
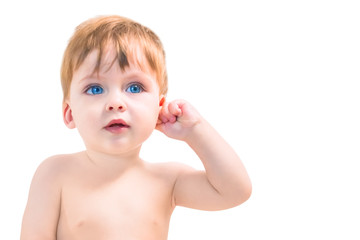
x: 114, y: 111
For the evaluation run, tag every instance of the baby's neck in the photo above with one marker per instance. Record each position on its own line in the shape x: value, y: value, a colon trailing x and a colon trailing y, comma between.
x: 112, y: 162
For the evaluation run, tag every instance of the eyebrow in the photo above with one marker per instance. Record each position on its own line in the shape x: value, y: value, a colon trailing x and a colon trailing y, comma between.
x: 88, y: 77
x: 126, y: 75
x: 137, y: 74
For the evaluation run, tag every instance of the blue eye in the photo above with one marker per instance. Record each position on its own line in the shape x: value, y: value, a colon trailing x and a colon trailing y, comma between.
x: 135, y: 88
x: 94, y: 90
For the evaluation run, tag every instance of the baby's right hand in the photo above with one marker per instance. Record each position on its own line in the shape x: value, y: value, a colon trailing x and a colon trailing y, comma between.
x: 177, y: 119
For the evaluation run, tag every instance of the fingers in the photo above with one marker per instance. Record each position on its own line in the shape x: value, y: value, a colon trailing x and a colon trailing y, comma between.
x: 165, y: 115
x: 174, y: 108
x: 170, y: 111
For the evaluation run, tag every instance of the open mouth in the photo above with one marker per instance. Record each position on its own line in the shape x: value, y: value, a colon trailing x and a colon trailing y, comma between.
x: 116, y: 125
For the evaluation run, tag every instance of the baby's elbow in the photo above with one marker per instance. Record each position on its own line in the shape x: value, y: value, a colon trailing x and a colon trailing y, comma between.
x: 243, y: 193
x: 247, y: 192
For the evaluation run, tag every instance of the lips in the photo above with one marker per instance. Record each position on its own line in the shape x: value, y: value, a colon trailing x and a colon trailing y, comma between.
x: 116, y: 126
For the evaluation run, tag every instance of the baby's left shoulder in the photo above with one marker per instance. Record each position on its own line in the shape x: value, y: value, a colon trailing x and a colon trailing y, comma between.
x: 168, y: 170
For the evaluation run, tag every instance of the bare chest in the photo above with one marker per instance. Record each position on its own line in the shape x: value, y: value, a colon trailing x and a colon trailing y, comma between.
x: 126, y: 208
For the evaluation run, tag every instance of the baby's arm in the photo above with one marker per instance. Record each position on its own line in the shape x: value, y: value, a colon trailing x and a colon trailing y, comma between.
x: 43, y: 206
x: 225, y: 182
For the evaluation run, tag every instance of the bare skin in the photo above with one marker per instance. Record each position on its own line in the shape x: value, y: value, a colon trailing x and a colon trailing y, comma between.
x: 133, y: 202
x: 107, y: 191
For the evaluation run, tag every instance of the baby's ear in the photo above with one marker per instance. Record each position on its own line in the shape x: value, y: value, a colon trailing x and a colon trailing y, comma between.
x: 67, y: 116
x: 162, y: 100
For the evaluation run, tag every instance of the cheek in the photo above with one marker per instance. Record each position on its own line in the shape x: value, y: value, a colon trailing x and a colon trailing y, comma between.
x: 148, y: 112
x: 85, y: 114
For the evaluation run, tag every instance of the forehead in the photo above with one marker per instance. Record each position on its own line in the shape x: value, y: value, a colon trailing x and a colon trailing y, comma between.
x: 100, y: 61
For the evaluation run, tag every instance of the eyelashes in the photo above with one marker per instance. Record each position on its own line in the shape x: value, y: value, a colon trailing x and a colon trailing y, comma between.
x: 135, y: 88
x: 96, y: 89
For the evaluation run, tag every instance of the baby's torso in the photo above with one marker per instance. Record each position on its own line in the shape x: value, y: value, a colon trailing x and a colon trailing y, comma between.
x: 135, y: 204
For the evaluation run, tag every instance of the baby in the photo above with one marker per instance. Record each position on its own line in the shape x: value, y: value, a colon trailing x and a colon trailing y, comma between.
x: 114, y: 82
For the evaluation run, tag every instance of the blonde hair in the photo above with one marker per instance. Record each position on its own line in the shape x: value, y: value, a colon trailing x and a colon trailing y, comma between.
x: 126, y: 36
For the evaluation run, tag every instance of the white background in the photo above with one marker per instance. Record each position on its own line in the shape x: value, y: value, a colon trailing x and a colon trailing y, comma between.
x: 278, y: 79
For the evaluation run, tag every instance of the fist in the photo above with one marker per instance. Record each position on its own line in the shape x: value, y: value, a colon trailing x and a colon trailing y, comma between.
x: 177, y: 119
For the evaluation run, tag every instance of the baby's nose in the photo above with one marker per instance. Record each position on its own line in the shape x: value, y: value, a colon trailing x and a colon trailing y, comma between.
x: 116, y: 104
x: 110, y: 108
